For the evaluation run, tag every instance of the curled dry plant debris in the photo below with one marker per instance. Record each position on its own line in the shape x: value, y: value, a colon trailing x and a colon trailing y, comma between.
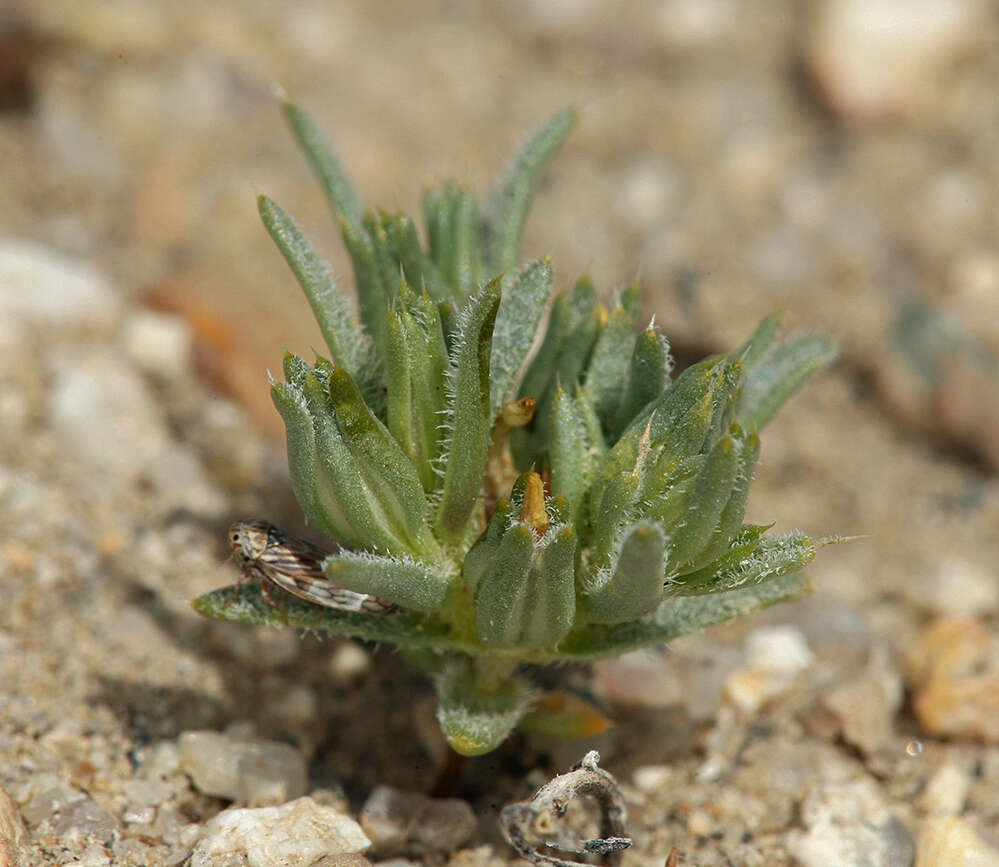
x: 509, y: 470
x: 527, y: 819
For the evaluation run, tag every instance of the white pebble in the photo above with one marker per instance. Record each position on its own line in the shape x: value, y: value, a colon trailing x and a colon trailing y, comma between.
x: 397, y: 820
x: 778, y: 648
x: 159, y: 760
x: 296, y: 834
x: 105, y: 417
x: 947, y: 841
x: 43, y: 286
x: 964, y: 588
x: 251, y: 770
x: 349, y: 662
x: 874, y: 61
x: 849, y: 825
x: 652, y: 778
x: 158, y: 343
x: 946, y: 791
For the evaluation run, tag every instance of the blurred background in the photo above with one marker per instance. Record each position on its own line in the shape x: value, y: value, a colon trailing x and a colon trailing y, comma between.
x: 834, y: 159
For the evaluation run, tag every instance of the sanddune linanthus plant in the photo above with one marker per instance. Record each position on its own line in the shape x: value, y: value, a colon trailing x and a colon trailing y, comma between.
x: 516, y: 468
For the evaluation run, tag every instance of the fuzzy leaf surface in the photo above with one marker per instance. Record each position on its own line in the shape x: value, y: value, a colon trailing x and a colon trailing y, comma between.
x: 520, y: 312
x: 779, y: 374
x: 680, y: 616
x: 468, y: 417
x: 336, y: 183
x: 414, y: 585
x: 347, y: 342
x: 506, y: 207
x: 476, y: 719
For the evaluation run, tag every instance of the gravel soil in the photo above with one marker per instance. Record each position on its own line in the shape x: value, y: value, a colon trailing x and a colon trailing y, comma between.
x: 739, y: 158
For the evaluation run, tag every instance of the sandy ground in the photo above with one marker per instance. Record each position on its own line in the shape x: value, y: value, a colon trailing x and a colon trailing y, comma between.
x: 739, y: 158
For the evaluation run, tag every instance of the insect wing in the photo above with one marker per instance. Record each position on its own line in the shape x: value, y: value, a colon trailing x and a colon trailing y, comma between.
x: 263, y: 551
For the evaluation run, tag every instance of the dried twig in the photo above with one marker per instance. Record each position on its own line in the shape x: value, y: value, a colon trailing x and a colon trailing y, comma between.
x: 518, y: 820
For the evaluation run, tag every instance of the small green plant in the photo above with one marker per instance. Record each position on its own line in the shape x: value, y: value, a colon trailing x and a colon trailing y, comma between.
x: 519, y: 505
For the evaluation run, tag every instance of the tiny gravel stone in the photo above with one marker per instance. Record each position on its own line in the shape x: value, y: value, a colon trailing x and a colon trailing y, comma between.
x: 349, y: 860
x: 699, y: 823
x: 13, y: 834
x: 955, y: 669
x: 693, y: 24
x: 136, y: 814
x: 866, y: 706
x: 159, y: 343
x: 46, y: 803
x: 146, y: 792
x: 93, y: 856
x: 774, y: 657
x: 298, y: 703
x: 160, y: 759
x: 104, y: 415
x: 962, y: 588
x: 946, y: 791
x: 652, y: 778
x: 41, y: 285
x: 349, y: 662
x: 778, y: 648
x: 296, y: 834
x: 87, y: 818
x: 877, y: 61
x: 252, y: 770
x: 397, y: 821
x: 850, y: 825
x: 947, y: 841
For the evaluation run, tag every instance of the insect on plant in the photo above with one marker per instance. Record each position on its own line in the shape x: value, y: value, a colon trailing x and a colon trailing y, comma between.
x: 513, y: 464
x: 266, y: 554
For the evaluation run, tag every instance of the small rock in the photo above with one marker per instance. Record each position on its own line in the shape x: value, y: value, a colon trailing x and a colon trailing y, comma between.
x: 244, y: 769
x: 878, y: 61
x: 44, y: 287
x: 645, y: 194
x: 159, y: 343
x: 950, y: 647
x: 955, y: 671
x: 138, y: 814
x: 349, y: 860
x: 104, y: 416
x: 159, y: 760
x: 349, y: 662
x: 480, y: 856
x: 397, y: 821
x: 689, y: 675
x: 144, y: 793
x: 47, y: 802
x: 946, y: 791
x: 86, y: 818
x: 93, y: 856
x: 699, y: 823
x: 849, y: 825
x: 298, y: 703
x: 778, y: 648
x: 296, y: 834
x: 774, y: 656
x: 866, y: 706
x: 947, y: 841
x: 652, y: 778
x: 695, y: 24
x: 13, y: 835
x: 962, y: 588
x: 637, y: 678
